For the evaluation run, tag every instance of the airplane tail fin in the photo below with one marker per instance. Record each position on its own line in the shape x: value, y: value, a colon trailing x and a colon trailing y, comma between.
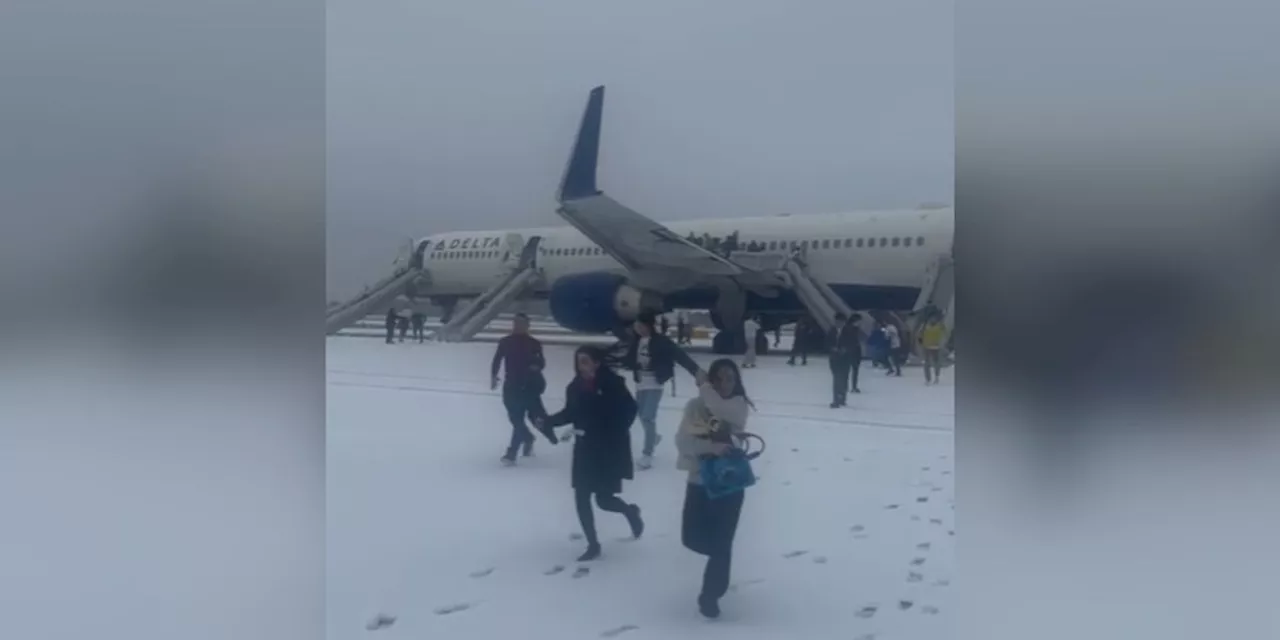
x: 580, y: 174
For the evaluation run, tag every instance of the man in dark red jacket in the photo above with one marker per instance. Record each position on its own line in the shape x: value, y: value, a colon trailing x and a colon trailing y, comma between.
x: 522, y: 387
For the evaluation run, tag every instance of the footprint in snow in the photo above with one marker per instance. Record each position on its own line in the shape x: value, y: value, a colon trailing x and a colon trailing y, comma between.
x: 935, y: 520
x: 866, y: 636
x: 575, y: 536
x: 914, y: 577
x: 380, y: 621
x: 794, y: 450
x: 746, y: 583
x: 942, y: 583
x: 794, y: 554
x: 857, y: 528
x: 925, y: 468
x: 481, y: 573
x: 929, y: 611
x: 924, y: 545
x: 905, y: 604
x: 820, y: 560
x: 916, y: 562
x: 922, y: 499
x: 915, y: 518
x: 867, y: 612
x: 946, y: 473
x: 453, y: 608
x: 848, y: 459
x: 554, y: 570
x: 581, y: 572
x: 951, y: 533
x: 892, y: 506
x: 936, y: 489
x: 617, y: 631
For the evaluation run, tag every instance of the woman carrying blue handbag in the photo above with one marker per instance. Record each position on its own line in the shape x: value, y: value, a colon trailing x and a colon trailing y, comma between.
x: 711, y: 442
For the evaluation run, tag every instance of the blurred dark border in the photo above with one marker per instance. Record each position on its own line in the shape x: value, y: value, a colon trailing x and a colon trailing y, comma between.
x: 1116, y: 207
x: 162, y: 403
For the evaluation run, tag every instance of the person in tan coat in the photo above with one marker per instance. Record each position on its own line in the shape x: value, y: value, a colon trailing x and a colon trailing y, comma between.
x: 709, y: 525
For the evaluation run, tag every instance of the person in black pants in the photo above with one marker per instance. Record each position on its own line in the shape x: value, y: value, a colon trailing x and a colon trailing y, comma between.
x: 419, y: 321
x: 601, y: 410
x: 708, y: 525
x: 392, y: 318
x: 800, y: 343
x: 855, y: 353
x: 522, y: 389
x: 846, y: 353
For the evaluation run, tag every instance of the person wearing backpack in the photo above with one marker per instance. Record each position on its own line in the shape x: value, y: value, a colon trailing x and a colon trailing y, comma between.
x: 709, y: 525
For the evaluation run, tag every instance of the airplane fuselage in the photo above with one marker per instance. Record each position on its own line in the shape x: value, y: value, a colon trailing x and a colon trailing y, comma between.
x: 873, y: 260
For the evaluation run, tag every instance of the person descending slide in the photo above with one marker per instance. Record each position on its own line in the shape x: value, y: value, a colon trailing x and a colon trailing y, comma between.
x: 601, y: 411
x: 651, y: 357
x: 522, y: 389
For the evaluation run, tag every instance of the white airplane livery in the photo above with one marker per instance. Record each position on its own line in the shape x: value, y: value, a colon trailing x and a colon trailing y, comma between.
x: 610, y: 262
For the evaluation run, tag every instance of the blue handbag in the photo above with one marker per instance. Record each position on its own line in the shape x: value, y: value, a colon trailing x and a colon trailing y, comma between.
x: 730, y: 473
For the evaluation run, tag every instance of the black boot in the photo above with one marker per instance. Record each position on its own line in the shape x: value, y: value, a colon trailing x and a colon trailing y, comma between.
x: 708, y: 607
x: 633, y: 519
x: 593, y: 552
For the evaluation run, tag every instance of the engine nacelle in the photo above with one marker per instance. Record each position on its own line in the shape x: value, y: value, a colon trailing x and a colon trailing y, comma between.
x: 598, y: 302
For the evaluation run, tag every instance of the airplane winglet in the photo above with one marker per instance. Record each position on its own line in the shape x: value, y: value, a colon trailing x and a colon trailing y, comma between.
x: 580, y: 174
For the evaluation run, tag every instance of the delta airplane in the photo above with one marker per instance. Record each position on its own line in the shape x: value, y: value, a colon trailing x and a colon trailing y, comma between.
x: 611, y: 262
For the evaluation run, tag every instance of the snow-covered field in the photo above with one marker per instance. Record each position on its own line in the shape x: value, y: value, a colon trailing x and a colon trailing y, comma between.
x: 849, y: 534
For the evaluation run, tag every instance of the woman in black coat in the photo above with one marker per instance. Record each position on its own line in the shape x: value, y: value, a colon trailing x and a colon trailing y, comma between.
x: 601, y: 409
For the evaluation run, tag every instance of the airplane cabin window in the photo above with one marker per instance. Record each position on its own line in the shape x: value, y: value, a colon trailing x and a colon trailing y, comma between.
x: 773, y: 245
x: 848, y: 243
x: 897, y: 241
x: 884, y: 241
x: 859, y: 243
x: 826, y: 244
x: 804, y: 244
x: 920, y: 241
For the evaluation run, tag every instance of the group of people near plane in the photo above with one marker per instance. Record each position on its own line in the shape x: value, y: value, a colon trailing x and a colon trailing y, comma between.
x: 600, y: 408
x: 401, y: 320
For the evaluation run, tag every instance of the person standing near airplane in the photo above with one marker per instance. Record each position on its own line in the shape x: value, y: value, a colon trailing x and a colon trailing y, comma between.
x: 522, y: 387
x: 666, y: 324
x: 752, y: 330
x: 392, y: 318
x: 651, y: 357
x: 895, y: 346
x: 419, y: 321
x: 844, y: 349
x: 800, y: 343
x: 931, y: 343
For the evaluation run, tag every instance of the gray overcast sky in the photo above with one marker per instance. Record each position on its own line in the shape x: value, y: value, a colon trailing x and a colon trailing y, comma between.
x: 448, y: 116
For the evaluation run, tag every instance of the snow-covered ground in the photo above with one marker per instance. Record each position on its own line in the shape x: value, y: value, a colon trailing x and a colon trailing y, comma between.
x: 849, y: 534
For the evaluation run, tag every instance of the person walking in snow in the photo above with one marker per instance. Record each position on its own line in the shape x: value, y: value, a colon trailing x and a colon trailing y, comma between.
x: 601, y: 410
x: 523, y: 386
x: 895, y: 347
x: 708, y: 525
x: 651, y: 357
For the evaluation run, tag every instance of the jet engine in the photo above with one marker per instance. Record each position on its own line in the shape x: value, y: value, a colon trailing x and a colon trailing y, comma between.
x: 598, y: 302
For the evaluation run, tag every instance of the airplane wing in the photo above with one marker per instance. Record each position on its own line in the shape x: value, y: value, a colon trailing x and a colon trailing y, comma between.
x: 631, y: 238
